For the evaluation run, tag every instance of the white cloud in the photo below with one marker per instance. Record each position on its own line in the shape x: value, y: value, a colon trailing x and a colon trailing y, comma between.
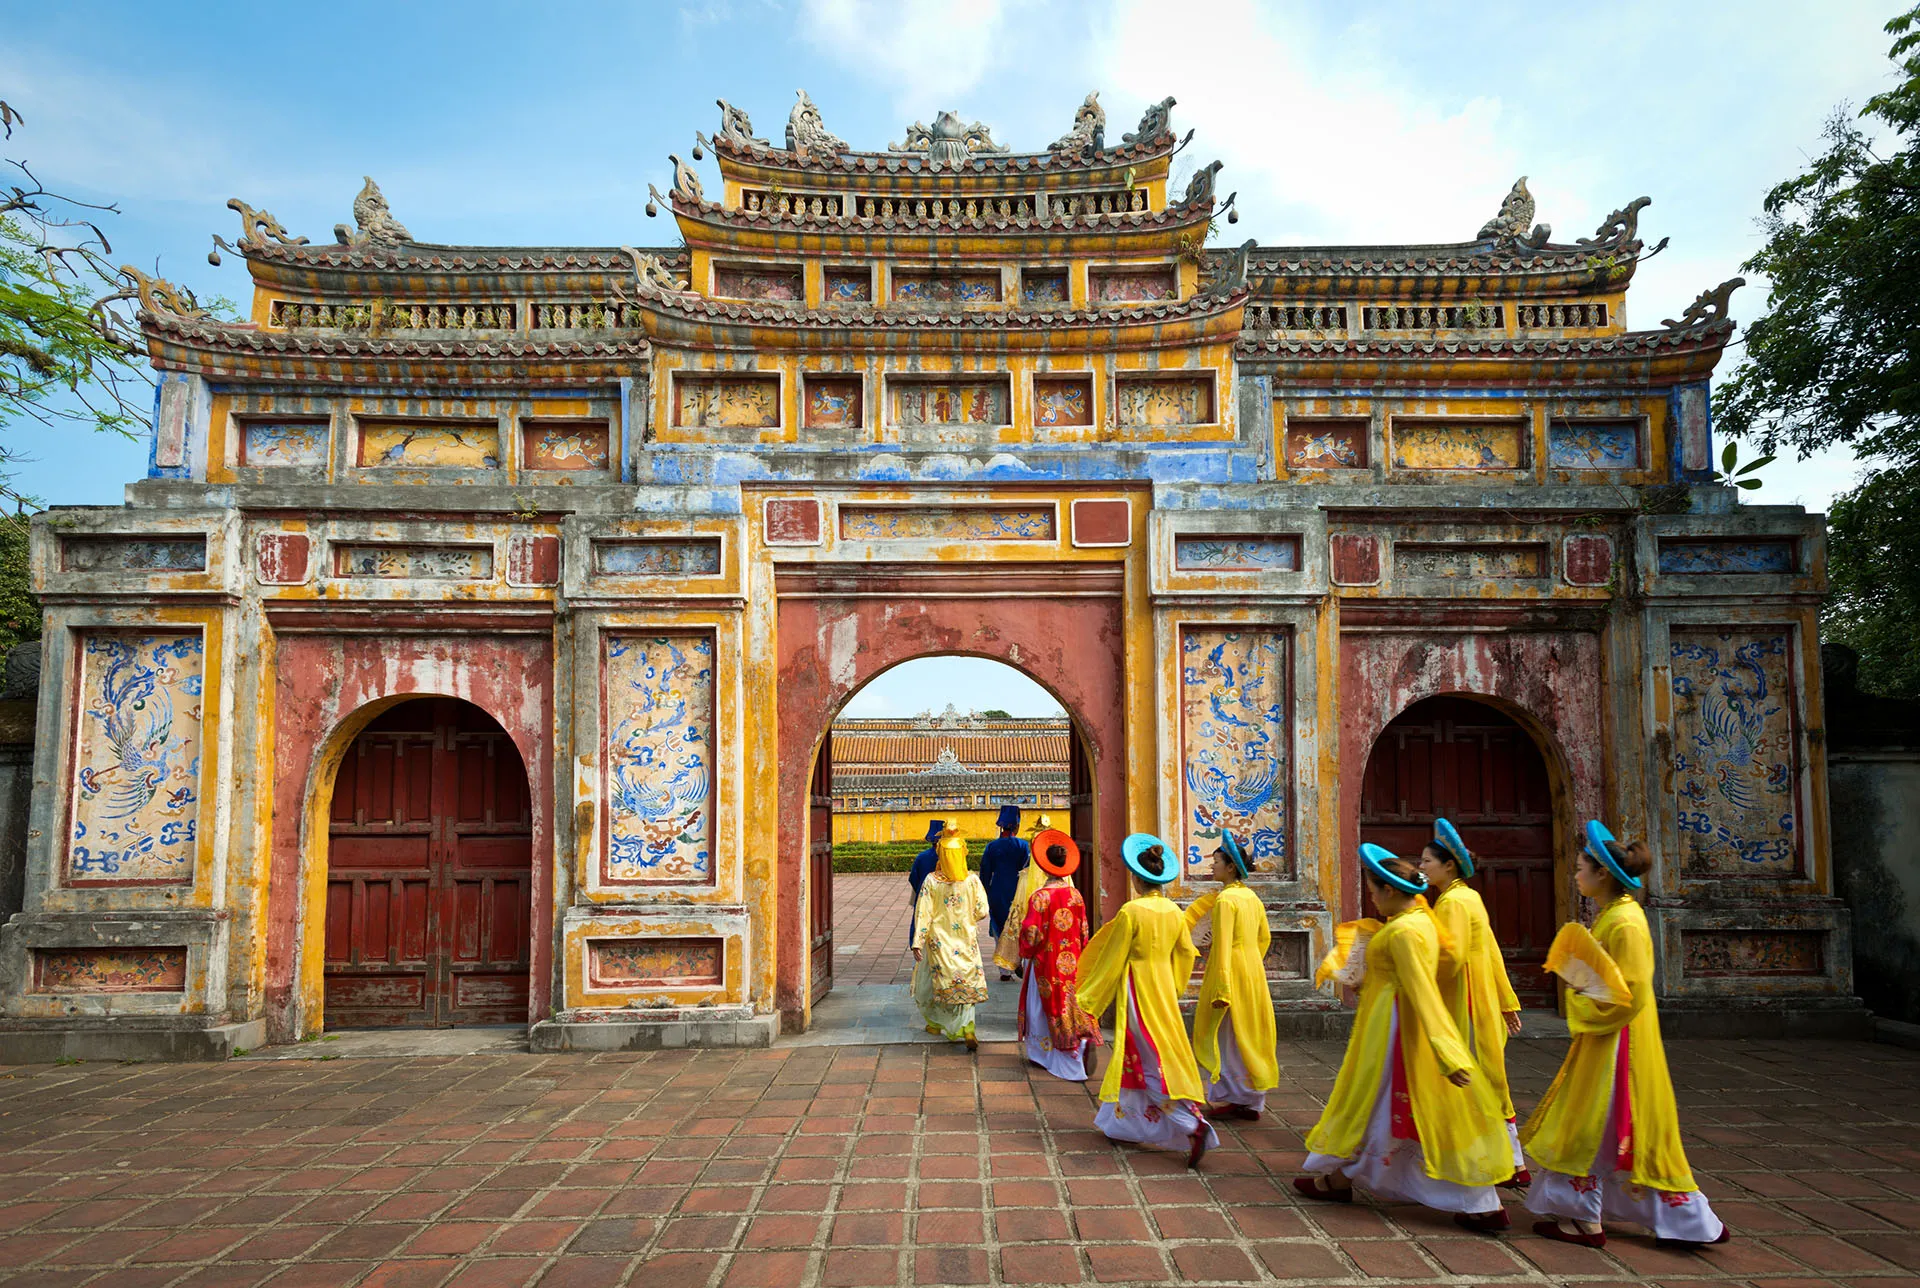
x: 922, y: 51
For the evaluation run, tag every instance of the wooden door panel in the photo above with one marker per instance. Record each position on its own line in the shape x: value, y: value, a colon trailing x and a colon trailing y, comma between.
x: 820, y: 876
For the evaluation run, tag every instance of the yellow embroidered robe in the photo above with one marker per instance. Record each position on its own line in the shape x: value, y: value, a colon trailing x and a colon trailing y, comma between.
x: 1144, y: 953
x: 946, y: 922
x: 1235, y: 984
x: 1473, y: 982
x: 1565, y: 1130
x: 1463, y: 1135
x: 1006, y: 949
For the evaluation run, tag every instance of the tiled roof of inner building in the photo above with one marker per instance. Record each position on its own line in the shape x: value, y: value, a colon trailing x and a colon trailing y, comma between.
x: 1711, y: 335
x: 850, y: 162
x: 501, y: 344
x: 1172, y: 217
x: 883, y: 749
x: 750, y: 311
x: 1438, y: 258
x: 424, y: 257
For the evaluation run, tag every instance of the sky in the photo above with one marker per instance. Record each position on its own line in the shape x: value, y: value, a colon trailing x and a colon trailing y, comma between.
x: 492, y: 123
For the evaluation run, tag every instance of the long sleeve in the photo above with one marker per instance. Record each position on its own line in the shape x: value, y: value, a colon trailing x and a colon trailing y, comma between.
x: 1413, y: 977
x: 1508, y: 1001
x: 922, y: 916
x: 977, y: 895
x: 1184, y: 955
x: 1263, y: 936
x: 1197, y: 910
x: 1104, y: 963
x: 1456, y: 933
x: 1633, y: 954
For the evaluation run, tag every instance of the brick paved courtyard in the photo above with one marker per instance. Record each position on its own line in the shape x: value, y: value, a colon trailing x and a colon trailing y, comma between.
x: 857, y: 1165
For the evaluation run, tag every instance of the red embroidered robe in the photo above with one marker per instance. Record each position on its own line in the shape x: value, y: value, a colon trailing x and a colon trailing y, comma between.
x: 1051, y: 940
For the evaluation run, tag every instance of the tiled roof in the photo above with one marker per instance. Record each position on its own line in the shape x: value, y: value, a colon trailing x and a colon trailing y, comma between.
x: 917, y: 751
x: 413, y: 257
x: 687, y: 304
x: 1628, y: 343
x: 1010, y: 163
x: 1174, y: 216
x: 246, y: 337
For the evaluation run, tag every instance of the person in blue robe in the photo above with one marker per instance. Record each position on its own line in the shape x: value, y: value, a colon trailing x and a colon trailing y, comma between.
x: 1000, y: 869
x: 922, y: 865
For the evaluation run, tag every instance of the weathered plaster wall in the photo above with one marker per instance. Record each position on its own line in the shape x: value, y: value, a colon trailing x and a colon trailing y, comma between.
x: 1875, y: 797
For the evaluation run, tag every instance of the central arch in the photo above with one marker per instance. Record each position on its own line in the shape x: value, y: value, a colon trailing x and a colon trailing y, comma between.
x: 1061, y: 627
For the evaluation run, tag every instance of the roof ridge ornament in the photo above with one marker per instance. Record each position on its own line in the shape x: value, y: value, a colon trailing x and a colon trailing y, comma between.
x: 736, y: 128
x: 949, y: 140
x: 159, y: 296
x: 1619, y: 228
x: 1155, y: 123
x: 650, y: 273
x: 1230, y: 276
x: 686, y: 182
x: 807, y: 135
x: 1709, y: 308
x: 374, y: 223
x: 1509, y: 226
x: 1200, y: 186
x: 1089, y: 132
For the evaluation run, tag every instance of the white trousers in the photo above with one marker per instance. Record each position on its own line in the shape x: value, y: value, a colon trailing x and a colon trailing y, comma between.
x: 1070, y: 1065
x: 1233, y: 1086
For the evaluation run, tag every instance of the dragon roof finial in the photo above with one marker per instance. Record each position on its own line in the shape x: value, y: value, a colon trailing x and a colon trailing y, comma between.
x: 808, y: 136
x: 1089, y: 132
x: 374, y: 223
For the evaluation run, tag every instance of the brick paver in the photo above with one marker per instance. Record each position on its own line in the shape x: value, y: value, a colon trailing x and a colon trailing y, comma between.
x: 854, y: 1166
x: 870, y: 916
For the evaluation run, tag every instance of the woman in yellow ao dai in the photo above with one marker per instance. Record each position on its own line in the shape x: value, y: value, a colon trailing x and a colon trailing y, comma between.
x: 1139, y: 963
x: 948, y: 981
x: 1473, y: 975
x: 1233, y: 1030
x: 1606, y: 1136
x: 1407, y: 1118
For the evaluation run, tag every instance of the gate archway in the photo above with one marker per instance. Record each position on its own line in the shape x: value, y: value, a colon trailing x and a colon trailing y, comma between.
x: 1468, y: 761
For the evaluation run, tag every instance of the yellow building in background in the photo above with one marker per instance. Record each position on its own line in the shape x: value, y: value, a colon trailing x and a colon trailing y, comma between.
x: 891, y: 776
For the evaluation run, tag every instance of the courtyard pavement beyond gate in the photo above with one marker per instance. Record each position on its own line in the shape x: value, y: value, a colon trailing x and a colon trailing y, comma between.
x: 860, y: 1165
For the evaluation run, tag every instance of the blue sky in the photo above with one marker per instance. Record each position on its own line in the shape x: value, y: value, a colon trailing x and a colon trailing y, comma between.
x: 493, y: 123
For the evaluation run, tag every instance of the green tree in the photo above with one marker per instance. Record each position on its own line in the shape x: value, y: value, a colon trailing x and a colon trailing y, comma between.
x: 993, y: 713
x: 19, y: 609
x: 1836, y: 358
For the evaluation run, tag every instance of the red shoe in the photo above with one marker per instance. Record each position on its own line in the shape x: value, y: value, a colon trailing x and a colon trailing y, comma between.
x: 1483, y: 1222
x: 1519, y: 1180
x: 1199, y: 1146
x: 1552, y: 1230
x: 1310, y: 1187
x: 1239, y: 1112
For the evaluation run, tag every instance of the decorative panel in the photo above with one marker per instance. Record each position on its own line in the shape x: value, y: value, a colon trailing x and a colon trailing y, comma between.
x: 565, y: 444
x: 1210, y: 553
x: 133, y: 554
x: 1101, y: 522
x: 136, y: 757
x: 283, y: 557
x: 1761, y: 555
x: 1062, y: 400
x: 430, y: 563
x: 948, y: 523
x: 270, y: 444
x: 792, y: 521
x: 1327, y: 444
x: 1594, y: 444
x: 1589, y: 560
x: 1470, y: 560
x: 727, y: 402
x: 1735, y: 757
x: 1462, y: 444
x: 1288, y: 954
x: 533, y: 559
x: 678, y: 962
x: 1154, y: 402
x: 1133, y: 285
x: 775, y: 282
x: 110, y: 970
x: 849, y: 285
x: 950, y: 402
x: 1044, y: 286
x: 1355, y: 558
x: 660, y: 557
x: 430, y: 445
x: 660, y: 759
x: 834, y: 402
x: 916, y: 287
x: 1754, y: 952
x: 1234, y: 725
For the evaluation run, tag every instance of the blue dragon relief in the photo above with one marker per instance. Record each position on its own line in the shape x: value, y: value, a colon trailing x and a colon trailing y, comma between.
x: 1236, y: 748
x: 661, y: 768
x: 1733, y: 755
x: 135, y: 814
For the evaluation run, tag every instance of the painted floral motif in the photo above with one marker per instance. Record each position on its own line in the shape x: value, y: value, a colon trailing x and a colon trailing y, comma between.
x: 946, y: 288
x: 1473, y: 561
x: 1043, y: 288
x: 1456, y: 445
x: 1162, y: 402
x: 1237, y: 554
x: 134, y: 554
x: 1734, y: 751
x: 668, y: 558
x: 655, y: 963
x: 1233, y: 693
x: 660, y: 758
x: 274, y: 444
x: 110, y: 970
x: 1061, y: 402
x: 1754, y: 952
x: 1327, y: 447
x: 948, y: 523
x: 1726, y: 558
x: 1593, y: 444
x: 566, y: 447
x: 1123, y: 286
x: 960, y: 403
x: 136, y: 807
x: 852, y: 287
x: 435, y: 563
x: 781, y: 285
x: 751, y: 402
x: 400, y: 444
x: 833, y: 404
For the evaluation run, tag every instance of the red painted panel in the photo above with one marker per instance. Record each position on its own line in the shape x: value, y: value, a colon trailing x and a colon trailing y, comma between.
x: 1102, y: 523
x: 1356, y: 559
x: 792, y: 521
x: 1589, y: 560
x: 533, y: 560
x: 283, y: 558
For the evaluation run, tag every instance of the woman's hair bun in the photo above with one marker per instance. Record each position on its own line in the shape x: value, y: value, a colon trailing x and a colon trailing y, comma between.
x: 1635, y: 859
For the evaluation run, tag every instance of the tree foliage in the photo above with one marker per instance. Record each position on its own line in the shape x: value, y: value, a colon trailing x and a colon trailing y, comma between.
x: 19, y: 609
x: 1836, y: 358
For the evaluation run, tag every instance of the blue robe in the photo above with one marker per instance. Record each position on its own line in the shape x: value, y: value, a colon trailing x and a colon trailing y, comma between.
x: 921, y: 867
x: 1000, y: 869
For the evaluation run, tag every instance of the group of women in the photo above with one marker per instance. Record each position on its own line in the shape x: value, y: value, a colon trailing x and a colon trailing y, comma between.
x: 1420, y: 1111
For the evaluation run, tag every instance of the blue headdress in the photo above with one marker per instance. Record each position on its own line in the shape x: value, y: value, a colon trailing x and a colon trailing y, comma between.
x: 1009, y: 818
x: 1134, y: 851
x: 1235, y: 855
x: 1373, y: 858
x: 1449, y: 843
x: 1600, y: 844
x: 935, y: 826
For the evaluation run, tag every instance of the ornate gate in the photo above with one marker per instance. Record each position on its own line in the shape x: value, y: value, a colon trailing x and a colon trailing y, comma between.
x: 429, y: 873
x: 820, y: 875
x: 1468, y: 762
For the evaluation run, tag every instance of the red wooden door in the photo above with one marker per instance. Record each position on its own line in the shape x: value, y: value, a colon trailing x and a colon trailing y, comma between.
x: 820, y: 874
x: 1080, y: 825
x: 1466, y: 761
x: 429, y: 873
